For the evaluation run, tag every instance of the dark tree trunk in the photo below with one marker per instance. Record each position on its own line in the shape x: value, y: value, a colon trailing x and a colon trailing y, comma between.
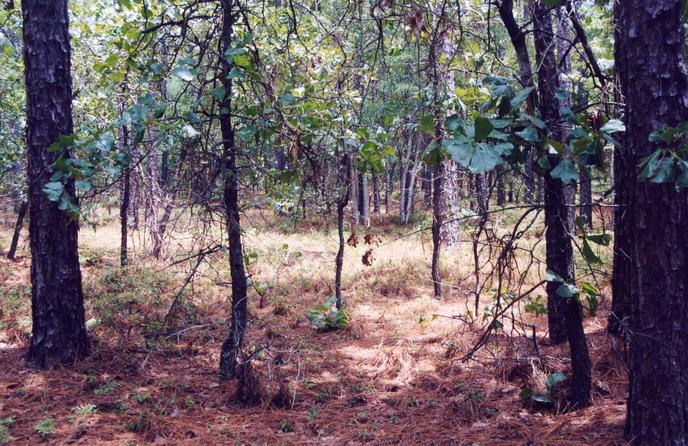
x: 59, y: 333
x: 650, y: 59
x: 125, y: 189
x: 436, y: 225
x: 23, y: 207
x: 344, y: 180
x: 231, y: 352
x: 585, y: 198
x: 501, y: 192
x: 164, y: 169
x: 564, y: 313
x: 624, y: 228
x: 481, y: 194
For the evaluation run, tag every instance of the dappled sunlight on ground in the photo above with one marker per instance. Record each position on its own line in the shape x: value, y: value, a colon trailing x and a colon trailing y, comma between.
x: 392, y: 376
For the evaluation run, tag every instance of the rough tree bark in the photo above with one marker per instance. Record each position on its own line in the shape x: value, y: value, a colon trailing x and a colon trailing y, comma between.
x: 59, y: 332
x: 650, y: 60
x: 231, y: 351
x: 564, y: 314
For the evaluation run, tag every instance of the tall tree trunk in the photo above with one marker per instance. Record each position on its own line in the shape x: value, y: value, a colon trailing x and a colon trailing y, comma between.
x: 389, y: 185
x: 650, y: 60
x: 501, y: 192
x: 344, y: 184
x: 57, y: 302
x: 363, y: 199
x: 436, y: 225
x: 23, y: 207
x: 564, y: 313
x: 481, y: 194
x: 125, y: 189
x: 231, y: 351
x: 517, y: 35
x: 376, y: 193
x: 585, y: 196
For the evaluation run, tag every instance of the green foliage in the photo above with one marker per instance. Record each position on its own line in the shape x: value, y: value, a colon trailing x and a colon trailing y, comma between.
x: 5, y: 423
x: 85, y: 409
x: 669, y: 163
x: 326, y: 316
x: 106, y: 388
x: 45, y: 427
x: 552, y: 381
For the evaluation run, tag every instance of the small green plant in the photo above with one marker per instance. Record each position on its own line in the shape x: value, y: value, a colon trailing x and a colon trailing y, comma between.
x: 105, y: 388
x: 189, y: 403
x: 552, y: 381
x: 536, y: 306
x: 85, y: 409
x: 45, y: 427
x: 286, y: 426
x: 5, y: 423
x: 312, y: 413
x: 140, y: 398
x: 326, y: 316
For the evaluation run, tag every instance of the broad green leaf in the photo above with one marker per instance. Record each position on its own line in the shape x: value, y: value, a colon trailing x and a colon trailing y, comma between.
x: 520, y: 97
x: 82, y: 185
x: 219, y: 93
x: 53, y: 190
x: 184, y: 74
x: 551, y: 276
x: 567, y: 291
x: 588, y: 254
x: 242, y: 60
x: 566, y: 171
x: 613, y: 126
x: 483, y: 127
x: 427, y: 124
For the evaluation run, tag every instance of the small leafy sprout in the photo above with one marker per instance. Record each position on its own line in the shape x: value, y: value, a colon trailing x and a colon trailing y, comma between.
x: 286, y: 426
x: 105, y: 388
x: 85, y: 409
x: 140, y: 397
x: 45, y: 427
x: 326, y: 317
x: 4, y: 431
x: 552, y: 381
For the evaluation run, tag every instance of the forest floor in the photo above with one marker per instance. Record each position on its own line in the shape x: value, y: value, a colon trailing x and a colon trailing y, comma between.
x: 392, y: 376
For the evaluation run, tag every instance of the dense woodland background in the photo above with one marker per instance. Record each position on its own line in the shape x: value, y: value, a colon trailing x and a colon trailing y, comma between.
x: 456, y: 222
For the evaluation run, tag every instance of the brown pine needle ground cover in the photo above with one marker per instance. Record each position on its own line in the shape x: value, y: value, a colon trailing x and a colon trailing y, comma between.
x: 393, y: 376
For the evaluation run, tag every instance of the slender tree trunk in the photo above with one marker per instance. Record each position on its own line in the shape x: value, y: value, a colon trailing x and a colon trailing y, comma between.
x: 389, y: 186
x: 624, y: 228
x: 564, y: 313
x: 481, y: 194
x: 23, y: 207
x: 585, y: 198
x: 363, y: 199
x: 650, y: 60
x: 436, y: 225
x: 231, y: 351
x: 344, y: 180
x: 57, y: 302
x: 376, y: 194
x: 125, y: 188
x: 355, y: 211
x: 501, y: 192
